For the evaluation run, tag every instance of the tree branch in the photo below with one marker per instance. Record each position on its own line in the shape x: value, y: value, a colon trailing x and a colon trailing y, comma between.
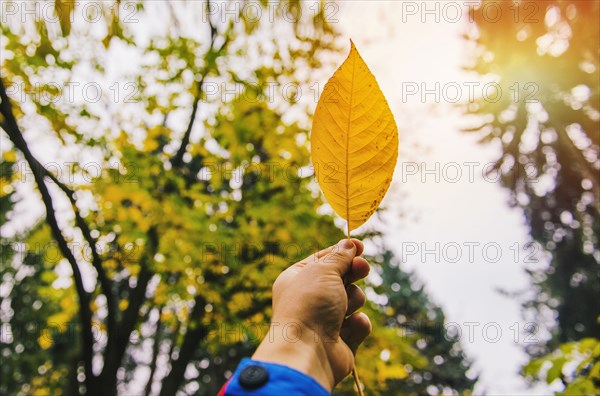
x: 195, y: 333
x: 105, y: 282
x: 137, y: 297
x: 155, y: 350
x: 174, y: 337
x: 178, y: 157
x: 177, y: 160
x: 10, y: 126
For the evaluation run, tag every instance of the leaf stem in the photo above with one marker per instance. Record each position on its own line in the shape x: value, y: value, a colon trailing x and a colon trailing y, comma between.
x: 357, y: 380
x: 354, y: 370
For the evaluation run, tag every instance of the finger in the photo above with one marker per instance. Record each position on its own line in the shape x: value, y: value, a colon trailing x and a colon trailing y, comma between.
x: 340, y: 258
x: 359, y: 246
x: 360, y: 269
x: 355, y: 329
x: 356, y: 298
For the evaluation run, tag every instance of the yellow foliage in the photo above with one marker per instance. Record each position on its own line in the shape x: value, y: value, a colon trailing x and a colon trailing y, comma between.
x: 5, y: 186
x: 183, y: 313
x: 60, y: 318
x: 66, y: 302
x: 160, y: 295
x: 387, y: 371
x: 166, y: 316
x: 45, y: 340
x: 110, y: 264
x: 9, y: 156
x: 239, y: 301
x: 123, y: 304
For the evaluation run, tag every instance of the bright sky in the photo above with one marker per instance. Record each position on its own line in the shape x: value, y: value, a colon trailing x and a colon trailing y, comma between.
x: 447, y: 207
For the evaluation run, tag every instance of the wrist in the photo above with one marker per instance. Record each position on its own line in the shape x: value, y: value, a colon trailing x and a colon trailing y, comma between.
x: 298, y: 347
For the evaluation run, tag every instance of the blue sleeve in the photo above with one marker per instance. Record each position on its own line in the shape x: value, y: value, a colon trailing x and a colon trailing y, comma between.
x: 254, y: 377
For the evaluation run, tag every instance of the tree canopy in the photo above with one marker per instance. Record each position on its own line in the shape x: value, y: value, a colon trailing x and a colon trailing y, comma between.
x: 545, y: 57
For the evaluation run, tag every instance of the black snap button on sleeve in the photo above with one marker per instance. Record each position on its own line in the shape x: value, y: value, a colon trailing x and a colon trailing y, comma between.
x: 253, y: 376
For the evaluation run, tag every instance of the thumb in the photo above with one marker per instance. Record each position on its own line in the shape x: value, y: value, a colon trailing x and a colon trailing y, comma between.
x: 340, y: 258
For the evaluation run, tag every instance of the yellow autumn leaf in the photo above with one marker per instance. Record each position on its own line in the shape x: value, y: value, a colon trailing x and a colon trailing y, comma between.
x: 386, y: 372
x: 123, y: 304
x: 354, y: 141
x: 9, y: 156
x: 45, y: 340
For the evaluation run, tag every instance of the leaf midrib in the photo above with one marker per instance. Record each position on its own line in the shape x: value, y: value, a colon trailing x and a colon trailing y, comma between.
x: 348, y: 143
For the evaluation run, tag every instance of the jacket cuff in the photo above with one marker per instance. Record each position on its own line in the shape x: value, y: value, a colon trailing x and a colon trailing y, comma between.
x: 253, y: 377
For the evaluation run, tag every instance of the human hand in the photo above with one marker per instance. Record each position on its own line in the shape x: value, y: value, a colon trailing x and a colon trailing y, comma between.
x: 315, y: 328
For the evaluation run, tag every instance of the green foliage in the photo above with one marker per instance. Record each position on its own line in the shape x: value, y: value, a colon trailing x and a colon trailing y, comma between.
x: 39, y: 347
x: 575, y: 364
x: 546, y: 59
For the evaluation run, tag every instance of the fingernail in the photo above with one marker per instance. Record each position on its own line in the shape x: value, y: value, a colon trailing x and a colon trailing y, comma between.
x: 347, y: 244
